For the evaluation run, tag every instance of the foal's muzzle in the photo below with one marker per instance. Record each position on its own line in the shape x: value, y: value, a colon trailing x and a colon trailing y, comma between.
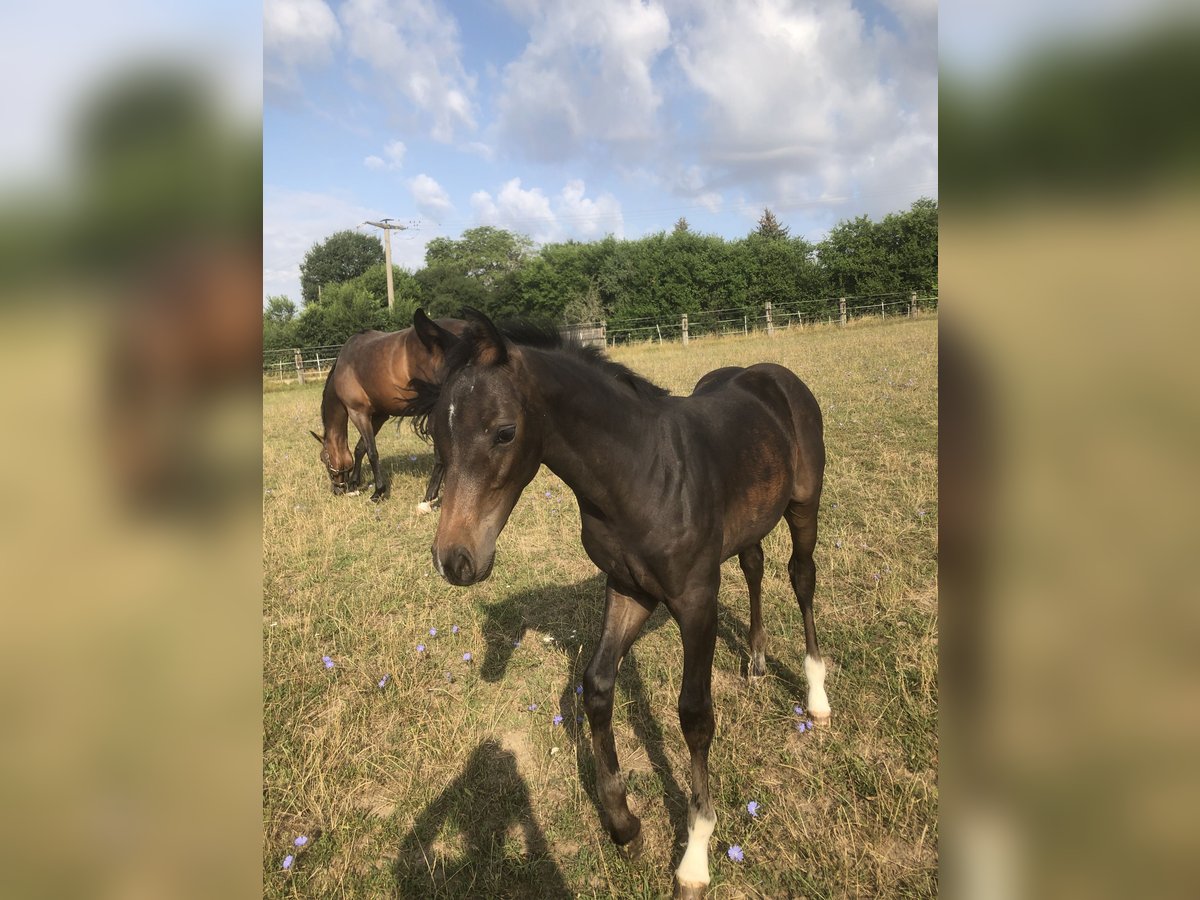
x: 460, y: 568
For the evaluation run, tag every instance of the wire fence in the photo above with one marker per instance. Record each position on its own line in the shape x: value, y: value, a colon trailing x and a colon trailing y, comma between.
x: 301, y: 364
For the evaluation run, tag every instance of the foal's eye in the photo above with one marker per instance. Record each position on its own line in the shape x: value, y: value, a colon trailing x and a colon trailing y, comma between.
x: 506, y: 434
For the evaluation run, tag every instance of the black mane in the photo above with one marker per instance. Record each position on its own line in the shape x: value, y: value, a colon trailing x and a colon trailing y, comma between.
x: 526, y: 334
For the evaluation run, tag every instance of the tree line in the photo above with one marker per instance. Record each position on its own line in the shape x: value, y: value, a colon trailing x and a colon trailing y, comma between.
x: 664, y: 275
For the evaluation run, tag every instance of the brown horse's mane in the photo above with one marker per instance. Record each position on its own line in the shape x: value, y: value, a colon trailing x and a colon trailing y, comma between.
x: 526, y: 334
x: 329, y: 400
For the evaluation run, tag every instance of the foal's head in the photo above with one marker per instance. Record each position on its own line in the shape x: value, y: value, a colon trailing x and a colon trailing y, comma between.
x: 482, y: 428
x: 337, y: 462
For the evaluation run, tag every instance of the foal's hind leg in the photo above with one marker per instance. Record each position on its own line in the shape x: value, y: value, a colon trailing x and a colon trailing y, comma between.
x: 802, y: 521
x: 751, y: 561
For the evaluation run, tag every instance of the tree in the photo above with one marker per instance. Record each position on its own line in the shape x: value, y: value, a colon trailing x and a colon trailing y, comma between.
x: 486, y: 254
x: 769, y: 227
x: 681, y: 226
x: 280, y: 309
x: 341, y: 257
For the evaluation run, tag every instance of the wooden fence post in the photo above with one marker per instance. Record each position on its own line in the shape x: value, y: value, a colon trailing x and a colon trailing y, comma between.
x: 882, y: 311
x: 683, y: 325
x: 299, y: 367
x: 319, y: 371
x: 770, y: 324
x: 912, y: 303
x: 842, y: 308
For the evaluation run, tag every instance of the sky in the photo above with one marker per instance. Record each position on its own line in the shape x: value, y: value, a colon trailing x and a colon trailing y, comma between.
x: 578, y: 119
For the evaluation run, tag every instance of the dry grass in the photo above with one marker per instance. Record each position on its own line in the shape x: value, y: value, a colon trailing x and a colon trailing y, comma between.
x: 443, y: 783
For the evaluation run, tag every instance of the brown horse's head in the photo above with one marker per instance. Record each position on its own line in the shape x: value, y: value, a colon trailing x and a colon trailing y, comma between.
x: 490, y: 439
x: 338, y: 461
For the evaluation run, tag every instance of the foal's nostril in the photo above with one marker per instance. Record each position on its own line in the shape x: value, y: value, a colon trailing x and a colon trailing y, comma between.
x: 460, y: 567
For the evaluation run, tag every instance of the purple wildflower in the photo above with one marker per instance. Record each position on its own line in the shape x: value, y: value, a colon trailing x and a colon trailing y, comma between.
x: 799, y: 710
x: 384, y: 680
x: 454, y: 629
x: 736, y: 854
x: 466, y: 657
x: 420, y: 648
x: 411, y: 458
x: 803, y: 727
x: 558, y: 720
x: 752, y: 808
x: 287, y: 861
x: 548, y: 494
x: 328, y: 662
x: 301, y: 841
x: 533, y: 707
x: 579, y: 689
x: 516, y: 643
x: 433, y: 632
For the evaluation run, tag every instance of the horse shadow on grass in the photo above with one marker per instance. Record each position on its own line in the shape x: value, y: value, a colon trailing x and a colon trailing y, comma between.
x: 571, y: 615
x: 479, y: 838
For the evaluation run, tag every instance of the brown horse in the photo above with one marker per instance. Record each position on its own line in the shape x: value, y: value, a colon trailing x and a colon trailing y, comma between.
x: 668, y: 488
x: 367, y: 384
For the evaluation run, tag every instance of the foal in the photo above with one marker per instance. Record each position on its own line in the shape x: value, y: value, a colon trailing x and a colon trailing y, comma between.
x: 668, y: 488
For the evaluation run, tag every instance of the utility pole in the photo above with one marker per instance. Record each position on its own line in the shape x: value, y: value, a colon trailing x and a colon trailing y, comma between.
x: 388, y: 226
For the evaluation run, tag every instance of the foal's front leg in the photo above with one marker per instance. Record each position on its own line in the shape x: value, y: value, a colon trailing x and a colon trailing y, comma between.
x: 624, y: 617
x: 698, y: 628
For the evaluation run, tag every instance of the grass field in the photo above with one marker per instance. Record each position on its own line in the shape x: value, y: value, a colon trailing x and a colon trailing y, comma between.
x: 447, y: 782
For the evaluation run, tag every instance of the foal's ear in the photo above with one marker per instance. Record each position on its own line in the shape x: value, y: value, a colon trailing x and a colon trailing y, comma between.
x: 489, y: 348
x: 317, y: 438
x: 432, y: 335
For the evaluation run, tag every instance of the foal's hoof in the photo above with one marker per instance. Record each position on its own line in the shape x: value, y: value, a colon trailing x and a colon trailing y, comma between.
x: 821, y: 720
x: 424, y: 507
x: 689, y: 891
x: 377, y: 497
x: 633, y: 849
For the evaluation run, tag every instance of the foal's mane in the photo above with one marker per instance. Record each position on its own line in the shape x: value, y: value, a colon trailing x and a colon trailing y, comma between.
x: 525, y: 334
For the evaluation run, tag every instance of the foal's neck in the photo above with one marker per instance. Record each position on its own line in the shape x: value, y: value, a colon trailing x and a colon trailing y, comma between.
x: 595, y: 426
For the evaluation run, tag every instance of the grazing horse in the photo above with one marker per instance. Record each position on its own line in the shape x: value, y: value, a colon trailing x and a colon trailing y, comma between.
x: 368, y: 383
x: 668, y: 488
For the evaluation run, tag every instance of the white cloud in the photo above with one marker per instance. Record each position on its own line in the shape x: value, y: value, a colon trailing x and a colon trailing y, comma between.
x: 394, y: 152
x: 415, y: 45
x: 588, y: 218
x: 296, y: 33
x: 800, y: 101
x: 585, y: 76
x: 531, y: 212
x: 431, y: 199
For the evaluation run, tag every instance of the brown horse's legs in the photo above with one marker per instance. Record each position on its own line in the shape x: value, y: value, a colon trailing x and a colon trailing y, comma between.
x: 698, y: 628
x: 751, y: 561
x: 366, y: 428
x: 624, y: 617
x: 360, y: 450
x: 435, y: 479
x: 802, y: 521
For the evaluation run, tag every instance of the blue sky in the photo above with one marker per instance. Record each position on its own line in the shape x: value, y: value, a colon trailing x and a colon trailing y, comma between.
x: 579, y: 119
